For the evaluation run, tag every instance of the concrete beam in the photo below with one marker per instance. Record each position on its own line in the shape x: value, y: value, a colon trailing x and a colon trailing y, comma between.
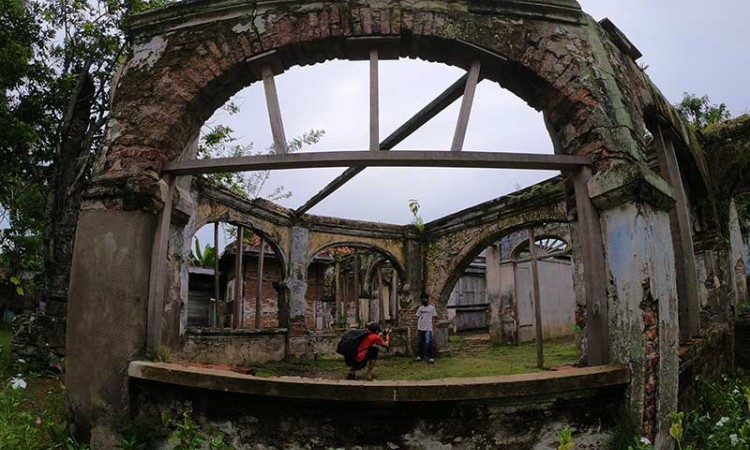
x: 417, y: 158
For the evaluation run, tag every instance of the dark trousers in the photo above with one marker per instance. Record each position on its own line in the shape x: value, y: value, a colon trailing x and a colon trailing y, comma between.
x: 371, y: 355
x: 427, y: 339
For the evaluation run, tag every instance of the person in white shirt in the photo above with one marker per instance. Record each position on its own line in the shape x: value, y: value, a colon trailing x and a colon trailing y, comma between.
x: 426, y: 315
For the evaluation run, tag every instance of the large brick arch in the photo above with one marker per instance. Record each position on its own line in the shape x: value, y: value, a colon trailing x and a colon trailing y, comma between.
x: 188, y: 59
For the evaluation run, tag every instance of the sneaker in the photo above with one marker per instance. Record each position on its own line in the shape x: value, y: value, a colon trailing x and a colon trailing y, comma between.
x: 431, y: 361
x: 418, y: 358
x: 350, y: 376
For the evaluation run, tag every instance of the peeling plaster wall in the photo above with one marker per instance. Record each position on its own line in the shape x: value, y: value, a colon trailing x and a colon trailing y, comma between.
x: 737, y: 257
x: 242, y: 349
x: 641, y: 270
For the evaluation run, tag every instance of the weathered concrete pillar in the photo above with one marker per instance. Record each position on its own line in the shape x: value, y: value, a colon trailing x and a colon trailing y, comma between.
x: 415, y: 281
x: 494, y: 292
x: 682, y: 238
x: 737, y: 257
x: 641, y: 290
x: 107, y: 317
x: 297, y: 285
x: 414, y: 269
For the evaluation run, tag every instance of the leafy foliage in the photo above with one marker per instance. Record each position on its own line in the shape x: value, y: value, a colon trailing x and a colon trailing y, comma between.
x: 203, y: 258
x: 45, y: 47
x: 722, y: 419
x: 219, y: 141
x: 417, y: 221
x: 186, y: 434
x: 565, y: 439
x: 700, y: 112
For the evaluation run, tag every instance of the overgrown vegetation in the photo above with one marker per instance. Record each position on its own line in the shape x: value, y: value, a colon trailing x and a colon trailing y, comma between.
x: 32, y: 411
x: 720, y: 421
x: 32, y: 408
x: 700, y: 112
x: 203, y: 258
x: 32, y: 415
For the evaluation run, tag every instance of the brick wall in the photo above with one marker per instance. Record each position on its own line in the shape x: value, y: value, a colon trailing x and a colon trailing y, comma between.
x: 272, y: 273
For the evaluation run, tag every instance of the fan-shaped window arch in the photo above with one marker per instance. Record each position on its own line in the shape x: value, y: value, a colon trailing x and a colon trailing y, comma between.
x: 546, y: 246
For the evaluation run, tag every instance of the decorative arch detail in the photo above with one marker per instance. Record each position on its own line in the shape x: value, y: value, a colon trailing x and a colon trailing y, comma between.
x: 386, y: 254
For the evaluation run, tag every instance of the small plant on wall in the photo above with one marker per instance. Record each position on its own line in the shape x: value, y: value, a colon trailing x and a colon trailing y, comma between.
x: 417, y: 221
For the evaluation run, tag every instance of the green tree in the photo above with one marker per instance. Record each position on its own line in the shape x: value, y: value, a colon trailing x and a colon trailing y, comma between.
x: 56, y: 61
x: 700, y: 112
x: 203, y: 258
x: 218, y: 141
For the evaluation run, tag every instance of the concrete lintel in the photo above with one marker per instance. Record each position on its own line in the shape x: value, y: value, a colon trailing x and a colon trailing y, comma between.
x: 448, y: 389
x: 233, y: 332
x: 260, y: 208
x: 625, y: 183
x: 278, y: 215
x: 567, y: 11
x: 546, y: 194
x: 620, y: 40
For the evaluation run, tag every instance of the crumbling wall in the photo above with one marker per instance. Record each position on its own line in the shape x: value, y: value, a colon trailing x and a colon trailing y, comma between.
x: 454, y: 241
x: 252, y: 422
x: 234, y: 347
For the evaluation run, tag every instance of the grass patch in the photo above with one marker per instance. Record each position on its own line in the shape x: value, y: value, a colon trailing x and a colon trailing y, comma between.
x: 32, y: 417
x: 468, y: 359
x: 5, y: 337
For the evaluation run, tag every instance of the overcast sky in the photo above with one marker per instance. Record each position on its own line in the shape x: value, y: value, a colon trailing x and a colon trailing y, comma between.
x: 688, y: 45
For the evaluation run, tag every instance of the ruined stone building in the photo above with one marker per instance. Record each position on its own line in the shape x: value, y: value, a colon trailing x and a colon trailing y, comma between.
x: 647, y: 219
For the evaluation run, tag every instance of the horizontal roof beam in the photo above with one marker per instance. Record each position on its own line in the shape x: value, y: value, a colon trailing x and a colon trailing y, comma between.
x: 419, y: 158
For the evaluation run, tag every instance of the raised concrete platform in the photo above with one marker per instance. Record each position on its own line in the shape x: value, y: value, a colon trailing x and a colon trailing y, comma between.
x: 448, y: 389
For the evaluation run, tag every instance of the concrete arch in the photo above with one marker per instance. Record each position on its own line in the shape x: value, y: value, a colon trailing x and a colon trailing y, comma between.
x: 448, y: 253
x: 458, y: 264
x: 189, y: 58
x: 277, y: 236
x: 387, y: 254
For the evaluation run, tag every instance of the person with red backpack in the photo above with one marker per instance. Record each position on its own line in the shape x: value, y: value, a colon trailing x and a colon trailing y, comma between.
x: 367, y: 350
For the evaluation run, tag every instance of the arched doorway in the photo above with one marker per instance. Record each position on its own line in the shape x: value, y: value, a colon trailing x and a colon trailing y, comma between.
x: 351, y: 284
x: 233, y: 285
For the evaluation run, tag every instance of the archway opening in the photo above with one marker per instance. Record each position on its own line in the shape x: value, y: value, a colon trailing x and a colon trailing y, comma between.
x: 350, y: 285
x: 492, y: 299
x: 499, y: 120
x: 233, y: 286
